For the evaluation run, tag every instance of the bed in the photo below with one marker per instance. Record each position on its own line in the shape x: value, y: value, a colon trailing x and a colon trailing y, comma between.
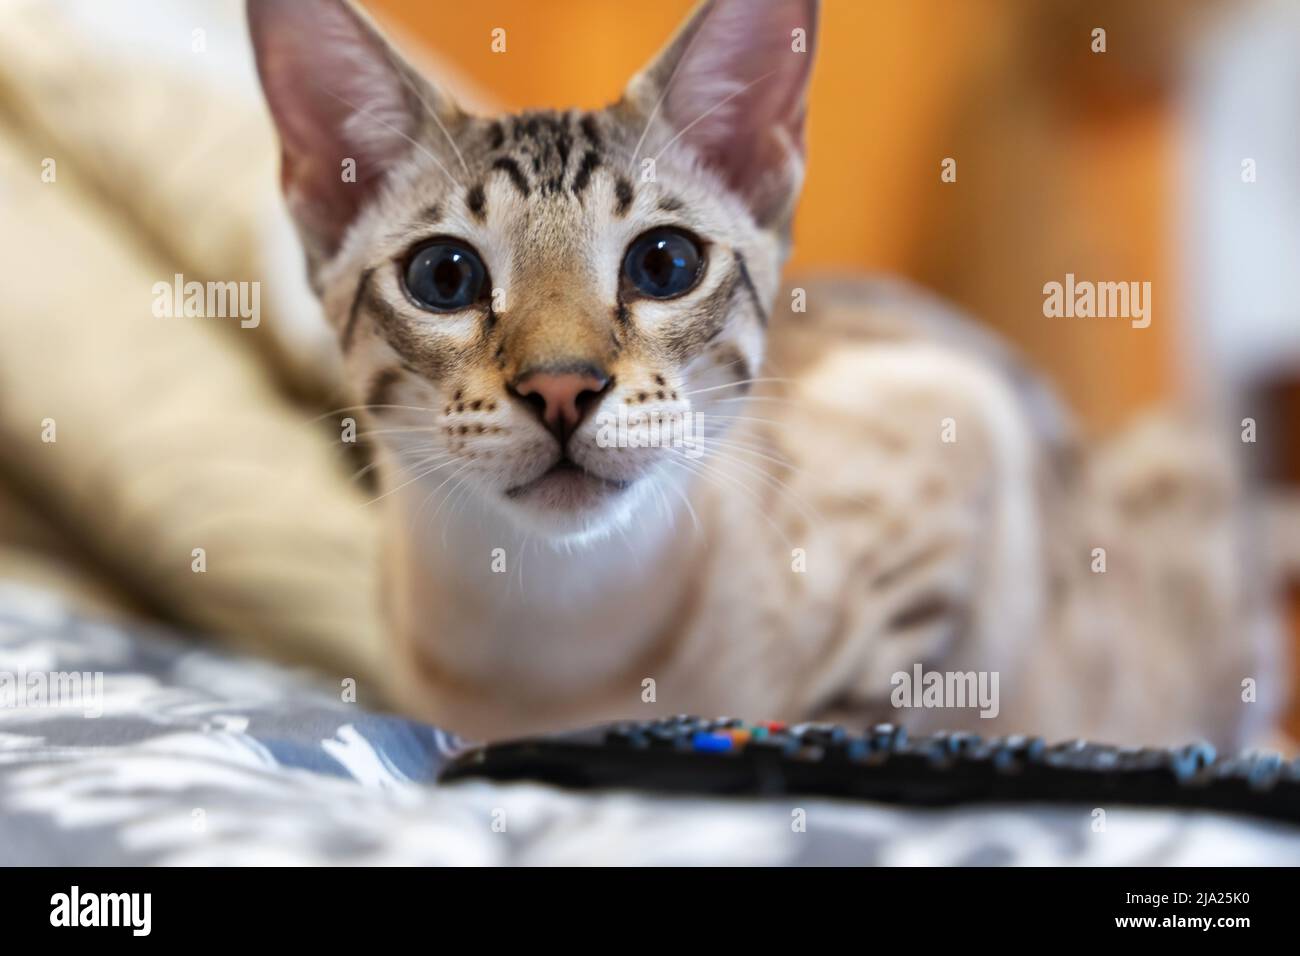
x: 188, y: 756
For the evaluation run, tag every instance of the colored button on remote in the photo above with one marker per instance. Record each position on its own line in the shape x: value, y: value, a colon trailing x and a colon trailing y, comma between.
x: 711, y: 743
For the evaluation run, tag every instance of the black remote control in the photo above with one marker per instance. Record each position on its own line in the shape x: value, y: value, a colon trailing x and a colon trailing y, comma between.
x: 726, y: 756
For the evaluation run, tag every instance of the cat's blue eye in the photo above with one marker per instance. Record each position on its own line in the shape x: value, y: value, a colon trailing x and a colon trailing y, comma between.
x: 663, y: 263
x: 445, y: 276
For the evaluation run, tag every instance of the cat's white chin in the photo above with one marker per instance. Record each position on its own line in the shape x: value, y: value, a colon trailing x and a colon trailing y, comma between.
x: 573, y: 505
x: 566, y: 487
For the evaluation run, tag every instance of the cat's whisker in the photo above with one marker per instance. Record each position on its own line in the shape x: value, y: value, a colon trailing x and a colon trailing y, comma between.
x: 705, y: 465
x: 404, y: 451
x: 740, y: 427
x: 740, y: 432
x: 530, y: 540
x: 459, y: 506
x: 464, y: 466
x: 367, y: 407
x: 393, y: 129
x: 733, y: 425
x: 433, y: 114
x: 403, y: 430
x: 791, y: 466
x: 409, y: 481
x: 701, y: 469
x: 452, y: 479
x: 805, y: 509
x: 774, y: 422
x: 735, y: 451
x: 363, y: 471
x: 663, y: 93
x: 662, y: 511
x: 454, y: 476
x: 415, y: 461
x: 672, y: 485
x: 456, y: 488
x: 800, y: 404
x: 712, y: 109
x: 748, y: 448
x: 738, y: 383
x: 691, y: 372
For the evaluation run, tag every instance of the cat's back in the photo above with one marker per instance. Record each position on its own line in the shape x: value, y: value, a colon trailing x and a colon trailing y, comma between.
x: 861, y: 318
x: 890, y: 395
x: 907, y: 461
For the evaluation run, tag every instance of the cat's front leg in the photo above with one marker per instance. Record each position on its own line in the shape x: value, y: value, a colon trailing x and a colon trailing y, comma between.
x: 939, y: 484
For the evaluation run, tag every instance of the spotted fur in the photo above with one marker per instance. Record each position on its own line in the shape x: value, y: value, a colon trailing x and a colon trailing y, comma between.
x: 828, y: 537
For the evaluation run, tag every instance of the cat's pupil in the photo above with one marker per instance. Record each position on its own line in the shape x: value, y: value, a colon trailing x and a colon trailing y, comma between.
x: 660, y: 264
x: 450, y: 275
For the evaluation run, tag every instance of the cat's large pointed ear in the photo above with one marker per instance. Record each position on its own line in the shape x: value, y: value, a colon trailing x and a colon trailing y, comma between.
x: 347, y: 107
x: 732, y: 86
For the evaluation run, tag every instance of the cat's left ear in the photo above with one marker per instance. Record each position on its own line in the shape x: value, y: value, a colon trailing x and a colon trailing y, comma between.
x: 732, y: 86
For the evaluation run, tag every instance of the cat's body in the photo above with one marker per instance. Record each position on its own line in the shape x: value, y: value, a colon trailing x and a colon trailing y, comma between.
x: 880, y: 487
x: 835, y: 541
x: 849, y: 542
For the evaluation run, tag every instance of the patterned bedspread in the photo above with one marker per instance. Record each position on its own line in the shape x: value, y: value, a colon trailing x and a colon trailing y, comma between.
x: 121, y: 746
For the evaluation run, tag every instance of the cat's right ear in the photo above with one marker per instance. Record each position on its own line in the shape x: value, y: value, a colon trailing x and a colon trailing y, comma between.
x: 732, y: 86
x: 347, y: 107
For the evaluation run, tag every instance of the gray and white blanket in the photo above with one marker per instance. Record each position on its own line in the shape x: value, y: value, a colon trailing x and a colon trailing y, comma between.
x: 125, y: 746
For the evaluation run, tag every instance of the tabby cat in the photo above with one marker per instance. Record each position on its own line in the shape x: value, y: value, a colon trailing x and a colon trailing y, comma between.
x: 627, y: 475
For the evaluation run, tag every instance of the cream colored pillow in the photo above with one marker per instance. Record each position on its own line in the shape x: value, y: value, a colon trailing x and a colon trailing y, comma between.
x: 177, y: 457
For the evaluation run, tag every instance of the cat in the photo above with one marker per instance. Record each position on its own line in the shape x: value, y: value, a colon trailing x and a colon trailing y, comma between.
x: 628, y: 475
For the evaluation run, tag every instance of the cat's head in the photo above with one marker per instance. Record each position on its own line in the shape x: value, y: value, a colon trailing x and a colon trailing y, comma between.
x: 548, y: 310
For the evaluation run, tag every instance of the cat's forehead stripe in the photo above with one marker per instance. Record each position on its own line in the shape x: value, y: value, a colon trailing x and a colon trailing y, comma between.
x: 511, y: 168
x: 624, y: 195
x: 545, y: 154
x: 476, y: 202
x: 590, y: 161
x: 591, y: 130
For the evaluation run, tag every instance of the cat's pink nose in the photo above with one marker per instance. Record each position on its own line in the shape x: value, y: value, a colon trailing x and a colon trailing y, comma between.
x: 561, y: 399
